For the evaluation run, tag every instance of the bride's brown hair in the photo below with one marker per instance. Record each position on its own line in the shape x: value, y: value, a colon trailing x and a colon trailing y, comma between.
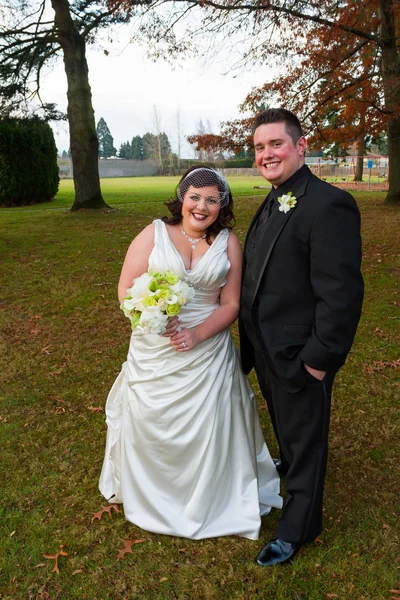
x: 226, y: 218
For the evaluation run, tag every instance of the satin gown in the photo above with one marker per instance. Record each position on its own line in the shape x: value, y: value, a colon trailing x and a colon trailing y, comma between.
x: 185, y: 453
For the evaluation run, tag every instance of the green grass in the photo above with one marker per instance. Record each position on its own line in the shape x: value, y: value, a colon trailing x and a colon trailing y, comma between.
x: 131, y: 190
x: 63, y: 341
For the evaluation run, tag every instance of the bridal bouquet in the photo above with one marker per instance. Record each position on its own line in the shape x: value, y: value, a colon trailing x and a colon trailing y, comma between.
x: 153, y: 298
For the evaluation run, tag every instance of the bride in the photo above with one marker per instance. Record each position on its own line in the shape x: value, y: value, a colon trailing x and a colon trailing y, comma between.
x: 185, y: 453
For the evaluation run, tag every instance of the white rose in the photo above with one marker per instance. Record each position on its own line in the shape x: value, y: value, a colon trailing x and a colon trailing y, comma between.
x: 173, y: 299
x: 162, y: 305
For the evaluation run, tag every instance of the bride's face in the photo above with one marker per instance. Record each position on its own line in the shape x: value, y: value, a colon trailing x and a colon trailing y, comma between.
x: 200, y: 207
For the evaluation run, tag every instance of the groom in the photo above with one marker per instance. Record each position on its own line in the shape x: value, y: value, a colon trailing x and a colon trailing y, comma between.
x: 302, y: 293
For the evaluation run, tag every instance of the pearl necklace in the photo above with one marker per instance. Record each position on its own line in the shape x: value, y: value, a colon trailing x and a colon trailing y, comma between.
x: 193, y: 241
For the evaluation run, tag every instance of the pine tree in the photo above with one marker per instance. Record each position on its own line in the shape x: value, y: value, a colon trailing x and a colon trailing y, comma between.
x: 106, y: 140
x: 137, y: 148
x: 125, y: 150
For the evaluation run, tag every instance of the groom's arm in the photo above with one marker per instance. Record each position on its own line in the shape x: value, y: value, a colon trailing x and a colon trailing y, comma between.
x: 335, y: 259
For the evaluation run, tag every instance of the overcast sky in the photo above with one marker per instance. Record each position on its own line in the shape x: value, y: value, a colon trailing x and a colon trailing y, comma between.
x: 125, y: 86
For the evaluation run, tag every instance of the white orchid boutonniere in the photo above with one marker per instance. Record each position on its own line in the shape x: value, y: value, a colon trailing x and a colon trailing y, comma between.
x: 287, y: 201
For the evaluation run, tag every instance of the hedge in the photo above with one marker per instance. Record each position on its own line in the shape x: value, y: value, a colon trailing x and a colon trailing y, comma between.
x: 28, y: 162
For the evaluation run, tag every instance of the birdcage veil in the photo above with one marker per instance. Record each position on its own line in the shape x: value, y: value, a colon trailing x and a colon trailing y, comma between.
x: 205, y: 177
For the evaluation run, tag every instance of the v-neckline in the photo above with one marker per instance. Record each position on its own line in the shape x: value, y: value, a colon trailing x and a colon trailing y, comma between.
x: 189, y: 271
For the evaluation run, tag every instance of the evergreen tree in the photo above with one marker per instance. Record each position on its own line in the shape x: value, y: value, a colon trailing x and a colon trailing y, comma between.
x: 149, y: 146
x: 64, y: 154
x: 106, y: 140
x: 157, y: 147
x: 165, y: 146
x: 125, y: 150
x: 137, y: 148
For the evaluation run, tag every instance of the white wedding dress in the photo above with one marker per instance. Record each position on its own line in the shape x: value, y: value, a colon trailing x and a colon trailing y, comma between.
x: 185, y: 453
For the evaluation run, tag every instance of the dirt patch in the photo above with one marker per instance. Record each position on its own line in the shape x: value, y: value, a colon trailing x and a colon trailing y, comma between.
x: 361, y: 186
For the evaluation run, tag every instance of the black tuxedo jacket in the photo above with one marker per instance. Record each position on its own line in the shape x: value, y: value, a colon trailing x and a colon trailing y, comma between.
x: 307, y: 297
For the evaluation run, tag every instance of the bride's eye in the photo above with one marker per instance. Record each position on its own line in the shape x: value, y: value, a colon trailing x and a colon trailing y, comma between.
x: 212, y: 200
x: 194, y: 197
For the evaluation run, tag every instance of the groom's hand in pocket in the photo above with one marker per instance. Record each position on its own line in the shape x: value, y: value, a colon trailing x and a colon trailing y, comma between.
x: 315, y: 372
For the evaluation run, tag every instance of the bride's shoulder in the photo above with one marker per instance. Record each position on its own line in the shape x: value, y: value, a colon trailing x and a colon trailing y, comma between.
x: 146, y: 236
x: 233, y: 242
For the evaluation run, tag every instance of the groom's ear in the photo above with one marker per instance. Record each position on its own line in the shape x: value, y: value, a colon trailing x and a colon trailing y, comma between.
x: 301, y: 145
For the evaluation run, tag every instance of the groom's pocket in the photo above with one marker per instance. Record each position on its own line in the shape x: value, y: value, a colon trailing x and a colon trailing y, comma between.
x: 284, y: 343
x: 286, y: 340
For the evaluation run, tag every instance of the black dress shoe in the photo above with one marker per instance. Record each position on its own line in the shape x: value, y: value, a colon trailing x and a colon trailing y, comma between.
x: 278, y: 465
x: 277, y: 552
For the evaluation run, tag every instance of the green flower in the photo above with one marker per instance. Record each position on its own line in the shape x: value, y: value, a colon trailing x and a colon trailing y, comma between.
x: 173, y: 310
x: 171, y: 278
x: 153, y: 285
x: 150, y: 301
x: 135, y: 318
x: 163, y: 294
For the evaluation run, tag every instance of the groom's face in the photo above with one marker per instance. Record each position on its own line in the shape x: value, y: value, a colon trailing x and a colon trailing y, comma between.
x: 277, y: 156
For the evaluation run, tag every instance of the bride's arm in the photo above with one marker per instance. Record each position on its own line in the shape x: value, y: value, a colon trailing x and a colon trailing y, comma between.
x: 136, y: 260
x: 227, y: 311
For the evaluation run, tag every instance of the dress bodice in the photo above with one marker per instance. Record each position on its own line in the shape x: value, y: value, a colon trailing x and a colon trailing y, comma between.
x: 207, y: 277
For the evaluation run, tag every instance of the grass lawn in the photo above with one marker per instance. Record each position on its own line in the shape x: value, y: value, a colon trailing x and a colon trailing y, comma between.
x: 63, y: 341
x: 131, y: 190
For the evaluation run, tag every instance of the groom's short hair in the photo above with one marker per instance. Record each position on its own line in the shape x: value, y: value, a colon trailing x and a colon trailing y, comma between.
x: 280, y: 115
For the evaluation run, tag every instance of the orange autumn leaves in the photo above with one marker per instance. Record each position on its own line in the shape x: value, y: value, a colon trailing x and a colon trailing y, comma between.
x: 132, y: 540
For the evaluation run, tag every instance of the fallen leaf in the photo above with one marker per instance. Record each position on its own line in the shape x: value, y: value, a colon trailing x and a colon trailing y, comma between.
x: 95, y: 409
x: 163, y: 579
x: 12, y: 533
x: 385, y: 526
x: 332, y: 596
x: 105, y: 509
x: 40, y: 565
x: 128, y: 547
x: 55, y: 557
x: 77, y: 571
x: 318, y: 541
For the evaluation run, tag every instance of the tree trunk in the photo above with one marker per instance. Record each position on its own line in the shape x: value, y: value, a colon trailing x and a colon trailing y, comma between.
x: 391, y: 85
x: 83, y: 138
x: 360, y: 157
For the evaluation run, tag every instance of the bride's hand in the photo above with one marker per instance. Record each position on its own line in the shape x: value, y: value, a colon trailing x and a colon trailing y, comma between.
x: 184, y: 340
x: 172, y: 327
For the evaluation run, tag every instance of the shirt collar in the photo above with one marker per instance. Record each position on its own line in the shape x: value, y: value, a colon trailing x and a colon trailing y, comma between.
x: 289, y: 183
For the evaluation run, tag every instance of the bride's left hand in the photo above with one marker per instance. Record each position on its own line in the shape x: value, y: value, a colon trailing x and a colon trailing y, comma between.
x: 184, y: 340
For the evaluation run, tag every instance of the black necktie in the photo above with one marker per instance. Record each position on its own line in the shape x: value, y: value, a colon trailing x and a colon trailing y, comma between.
x: 266, y: 213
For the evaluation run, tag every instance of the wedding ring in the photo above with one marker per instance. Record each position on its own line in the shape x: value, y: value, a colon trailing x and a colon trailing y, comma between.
x: 183, y: 345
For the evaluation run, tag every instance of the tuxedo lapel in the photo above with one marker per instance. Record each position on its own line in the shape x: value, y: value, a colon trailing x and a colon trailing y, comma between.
x: 278, y: 222
x: 268, y: 241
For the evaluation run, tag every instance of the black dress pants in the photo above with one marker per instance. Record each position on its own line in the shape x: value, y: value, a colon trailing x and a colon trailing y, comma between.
x: 301, y: 423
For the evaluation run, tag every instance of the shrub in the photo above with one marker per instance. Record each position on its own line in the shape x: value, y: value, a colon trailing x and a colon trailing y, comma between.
x: 28, y: 162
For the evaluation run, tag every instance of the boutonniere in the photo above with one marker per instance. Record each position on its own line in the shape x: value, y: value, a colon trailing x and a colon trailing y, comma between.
x: 287, y: 201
